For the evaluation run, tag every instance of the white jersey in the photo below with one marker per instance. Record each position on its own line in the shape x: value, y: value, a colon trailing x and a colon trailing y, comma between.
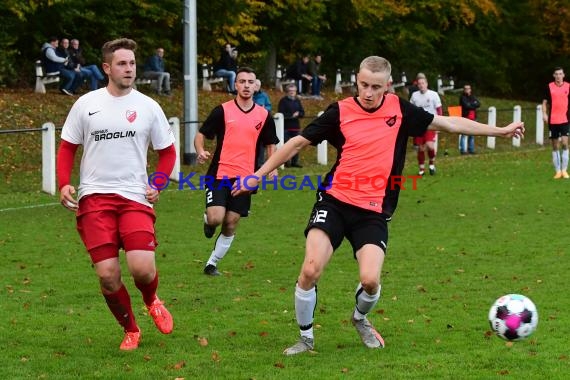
x: 115, y: 133
x: 429, y: 101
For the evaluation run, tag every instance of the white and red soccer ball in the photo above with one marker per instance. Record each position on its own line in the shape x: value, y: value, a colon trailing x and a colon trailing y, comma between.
x: 513, y: 317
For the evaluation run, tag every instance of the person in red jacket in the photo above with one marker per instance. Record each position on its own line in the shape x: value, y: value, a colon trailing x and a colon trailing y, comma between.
x: 114, y: 209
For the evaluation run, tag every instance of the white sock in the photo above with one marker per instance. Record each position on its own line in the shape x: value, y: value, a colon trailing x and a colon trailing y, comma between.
x: 431, y: 166
x: 364, y: 302
x: 223, y: 244
x: 305, y: 304
x: 565, y: 159
x: 556, y: 160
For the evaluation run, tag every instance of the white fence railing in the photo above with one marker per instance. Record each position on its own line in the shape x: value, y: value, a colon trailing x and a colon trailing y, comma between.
x: 49, y: 148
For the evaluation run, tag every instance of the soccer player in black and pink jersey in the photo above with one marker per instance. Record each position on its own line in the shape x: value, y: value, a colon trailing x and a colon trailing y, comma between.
x: 115, y: 125
x: 370, y: 132
x: 555, y: 112
x: 240, y: 126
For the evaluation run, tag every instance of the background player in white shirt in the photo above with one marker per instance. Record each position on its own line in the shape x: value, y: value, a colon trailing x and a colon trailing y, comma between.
x: 428, y: 100
x: 114, y: 210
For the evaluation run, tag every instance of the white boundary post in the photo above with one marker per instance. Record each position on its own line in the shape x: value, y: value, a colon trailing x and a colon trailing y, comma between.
x: 280, y: 129
x: 48, y: 158
x: 338, y: 80
x: 516, y: 118
x: 175, y: 125
x: 492, y: 121
x: 322, y: 149
x: 539, y: 126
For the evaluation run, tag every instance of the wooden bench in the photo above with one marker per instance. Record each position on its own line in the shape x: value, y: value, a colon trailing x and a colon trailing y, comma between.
x: 208, y: 79
x: 280, y: 81
x: 44, y: 78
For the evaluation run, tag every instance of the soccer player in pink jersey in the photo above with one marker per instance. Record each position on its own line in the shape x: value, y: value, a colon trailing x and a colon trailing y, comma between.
x: 555, y: 110
x: 370, y: 132
x: 240, y: 126
x: 114, y: 209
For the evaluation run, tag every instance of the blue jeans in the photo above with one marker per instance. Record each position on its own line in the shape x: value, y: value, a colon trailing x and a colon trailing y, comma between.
x: 71, y: 79
x: 316, y: 85
x: 289, y: 135
x: 470, y: 144
x: 94, y: 75
x: 230, y: 75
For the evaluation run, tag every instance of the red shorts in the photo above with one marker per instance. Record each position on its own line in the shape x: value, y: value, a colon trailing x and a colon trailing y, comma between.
x: 428, y: 136
x: 108, y: 222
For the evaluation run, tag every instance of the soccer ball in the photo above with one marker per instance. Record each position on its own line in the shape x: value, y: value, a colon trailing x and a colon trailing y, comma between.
x: 513, y: 317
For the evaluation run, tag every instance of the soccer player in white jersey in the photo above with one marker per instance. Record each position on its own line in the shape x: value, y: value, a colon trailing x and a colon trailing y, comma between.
x: 428, y: 100
x: 114, y: 209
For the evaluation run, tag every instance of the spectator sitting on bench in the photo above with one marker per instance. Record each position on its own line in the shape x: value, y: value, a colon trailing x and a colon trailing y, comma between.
x: 70, y: 80
x: 226, y: 67
x: 90, y: 72
x: 154, y: 69
x: 298, y: 72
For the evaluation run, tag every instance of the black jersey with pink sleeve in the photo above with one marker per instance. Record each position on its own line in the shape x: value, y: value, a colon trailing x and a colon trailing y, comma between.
x: 371, y: 149
x: 238, y: 134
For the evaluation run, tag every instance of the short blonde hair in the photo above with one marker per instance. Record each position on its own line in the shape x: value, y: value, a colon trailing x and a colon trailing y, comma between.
x: 376, y: 64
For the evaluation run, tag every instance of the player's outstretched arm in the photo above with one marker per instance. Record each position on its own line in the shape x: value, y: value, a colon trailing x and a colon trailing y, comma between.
x: 291, y: 148
x: 464, y: 126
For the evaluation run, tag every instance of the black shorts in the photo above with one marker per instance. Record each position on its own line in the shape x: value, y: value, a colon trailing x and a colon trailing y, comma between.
x: 557, y: 130
x: 340, y: 220
x: 219, y: 194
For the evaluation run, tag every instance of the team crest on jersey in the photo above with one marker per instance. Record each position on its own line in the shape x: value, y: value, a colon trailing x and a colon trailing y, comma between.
x: 391, y: 121
x: 131, y: 116
x: 258, y: 126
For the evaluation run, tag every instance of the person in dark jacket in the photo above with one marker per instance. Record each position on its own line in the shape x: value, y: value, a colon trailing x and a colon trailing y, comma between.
x: 226, y: 67
x: 469, y: 105
x: 292, y: 109
x: 154, y: 69
x: 52, y: 62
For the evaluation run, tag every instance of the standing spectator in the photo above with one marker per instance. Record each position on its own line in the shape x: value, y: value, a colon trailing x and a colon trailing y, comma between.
x: 226, y: 67
x: 52, y: 62
x: 314, y: 70
x: 154, y: 69
x: 91, y: 72
x: 555, y: 109
x: 299, y: 72
x: 370, y: 132
x: 114, y: 209
x: 428, y: 100
x: 261, y: 98
x: 469, y: 104
x: 239, y: 125
x: 292, y: 109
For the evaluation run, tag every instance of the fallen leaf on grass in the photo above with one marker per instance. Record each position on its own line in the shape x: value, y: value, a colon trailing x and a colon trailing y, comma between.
x: 216, y: 357
x: 203, y: 341
x: 179, y: 365
x: 279, y: 365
